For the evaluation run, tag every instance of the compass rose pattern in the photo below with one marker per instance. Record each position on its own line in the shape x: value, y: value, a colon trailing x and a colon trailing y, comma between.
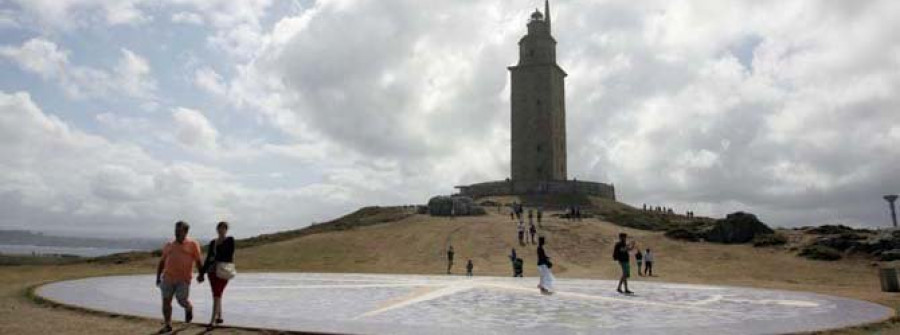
x: 404, y: 304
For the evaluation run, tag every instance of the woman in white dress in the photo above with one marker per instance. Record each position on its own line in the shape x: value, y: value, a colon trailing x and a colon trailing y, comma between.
x: 544, y: 265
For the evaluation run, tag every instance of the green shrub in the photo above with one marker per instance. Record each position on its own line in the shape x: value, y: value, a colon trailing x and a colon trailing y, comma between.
x: 820, y: 253
x: 769, y: 240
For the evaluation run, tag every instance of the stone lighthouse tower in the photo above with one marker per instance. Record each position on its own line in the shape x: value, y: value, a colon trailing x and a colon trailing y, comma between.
x: 538, y: 105
x: 538, y: 101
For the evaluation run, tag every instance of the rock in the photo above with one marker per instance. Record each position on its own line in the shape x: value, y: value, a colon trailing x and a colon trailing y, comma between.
x: 457, y: 205
x: 890, y: 255
x: 489, y: 203
x: 843, y: 242
x: 737, y: 227
x: 830, y: 230
x: 685, y: 235
x: 769, y: 240
x: 821, y: 253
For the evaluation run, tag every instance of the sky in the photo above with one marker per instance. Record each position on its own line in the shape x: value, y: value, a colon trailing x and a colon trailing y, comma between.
x: 120, y: 117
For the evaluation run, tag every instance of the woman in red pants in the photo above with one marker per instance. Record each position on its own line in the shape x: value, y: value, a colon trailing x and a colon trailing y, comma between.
x: 219, y: 266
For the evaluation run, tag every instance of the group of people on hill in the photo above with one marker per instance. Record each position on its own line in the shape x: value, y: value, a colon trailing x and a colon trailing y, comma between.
x: 665, y: 210
x: 622, y: 252
x: 574, y: 213
x: 526, y: 235
x: 469, y: 265
x: 175, y: 271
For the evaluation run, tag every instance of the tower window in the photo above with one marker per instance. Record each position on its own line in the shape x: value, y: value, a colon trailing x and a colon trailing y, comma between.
x: 539, y: 102
x: 531, y: 52
x: 539, y: 148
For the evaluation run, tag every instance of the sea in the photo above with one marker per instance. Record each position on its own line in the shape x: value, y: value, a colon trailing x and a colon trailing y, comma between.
x: 11, y: 249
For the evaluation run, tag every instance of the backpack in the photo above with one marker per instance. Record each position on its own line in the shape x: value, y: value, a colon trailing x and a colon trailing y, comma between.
x: 617, y: 255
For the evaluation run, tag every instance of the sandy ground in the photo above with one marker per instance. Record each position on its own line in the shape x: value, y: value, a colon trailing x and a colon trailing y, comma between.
x: 416, y: 245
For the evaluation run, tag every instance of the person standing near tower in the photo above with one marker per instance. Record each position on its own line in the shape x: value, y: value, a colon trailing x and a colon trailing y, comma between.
x: 533, y: 232
x: 449, y: 259
x: 540, y: 214
x: 521, y: 232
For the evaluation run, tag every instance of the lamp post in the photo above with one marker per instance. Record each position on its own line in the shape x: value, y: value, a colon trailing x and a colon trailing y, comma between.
x: 891, y: 198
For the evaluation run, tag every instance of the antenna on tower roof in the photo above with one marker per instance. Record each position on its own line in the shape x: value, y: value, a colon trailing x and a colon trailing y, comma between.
x: 547, y: 13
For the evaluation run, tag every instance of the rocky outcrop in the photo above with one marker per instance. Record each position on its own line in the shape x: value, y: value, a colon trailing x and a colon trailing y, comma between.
x: 453, y: 206
x: 821, y: 253
x: 737, y: 227
x: 685, y: 235
x: 890, y: 255
x: 769, y: 240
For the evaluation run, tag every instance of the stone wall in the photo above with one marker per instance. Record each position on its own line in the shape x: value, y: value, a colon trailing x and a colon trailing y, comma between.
x: 511, y: 187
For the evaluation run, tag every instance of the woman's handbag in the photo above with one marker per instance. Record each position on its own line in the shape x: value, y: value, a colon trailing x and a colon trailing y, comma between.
x: 225, y: 270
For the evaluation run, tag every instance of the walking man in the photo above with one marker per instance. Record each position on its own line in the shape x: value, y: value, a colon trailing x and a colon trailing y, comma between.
x: 621, y: 254
x: 521, y: 230
x: 540, y: 214
x: 469, y: 267
x: 638, y: 258
x: 648, y: 258
x: 449, y: 259
x: 175, y: 271
x: 533, y: 232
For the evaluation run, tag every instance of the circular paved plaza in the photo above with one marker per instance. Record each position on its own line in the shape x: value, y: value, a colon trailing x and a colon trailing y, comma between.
x: 405, y: 304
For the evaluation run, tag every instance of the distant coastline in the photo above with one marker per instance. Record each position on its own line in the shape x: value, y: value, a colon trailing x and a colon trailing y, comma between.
x: 22, y: 242
x: 38, y: 250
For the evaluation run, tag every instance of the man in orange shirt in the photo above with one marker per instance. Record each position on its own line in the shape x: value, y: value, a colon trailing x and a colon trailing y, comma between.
x: 174, y: 273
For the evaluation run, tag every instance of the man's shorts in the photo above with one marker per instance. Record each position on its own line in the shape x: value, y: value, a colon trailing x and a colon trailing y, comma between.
x: 180, y: 290
x: 626, y: 269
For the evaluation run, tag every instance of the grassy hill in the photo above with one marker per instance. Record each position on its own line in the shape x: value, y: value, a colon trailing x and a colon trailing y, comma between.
x: 396, y: 240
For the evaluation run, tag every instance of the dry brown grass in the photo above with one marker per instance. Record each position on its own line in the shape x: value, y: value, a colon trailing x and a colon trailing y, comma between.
x: 416, y: 245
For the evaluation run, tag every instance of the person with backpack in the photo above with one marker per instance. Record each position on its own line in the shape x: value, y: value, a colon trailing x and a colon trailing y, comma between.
x: 621, y: 254
x: 639, y: 258
x: 648, y: 258
x: 517, y: 267
x: 544, y: 265
x: 512, y: 260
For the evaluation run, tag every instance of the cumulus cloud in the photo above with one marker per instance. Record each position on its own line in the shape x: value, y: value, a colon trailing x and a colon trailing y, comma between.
x: 760, y: 108
x: 210, y: 81
x: 131, y: 76
x: 785, y: 110
x: 194, y: 130
x: 39, y: 56
x: 58, y: 177
x: 67, y: 14
x: 187, y: 17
